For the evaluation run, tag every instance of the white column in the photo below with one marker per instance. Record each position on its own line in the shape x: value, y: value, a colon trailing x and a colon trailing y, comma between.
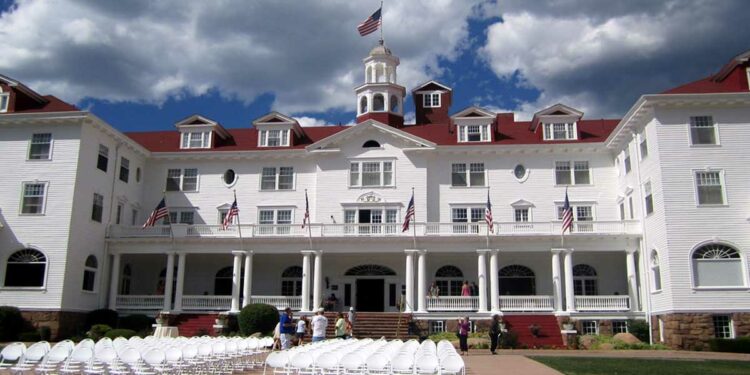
x: 180, y: 281
x: 482, y: 278
x: 409, y: 282
x: 247, y: 292
x: 570, y: 298
x: 494, y: 282
x: 114, y: 281
x: 632, y: 282
x: 318, y: 280
x: 422, y: 281
x: 557, y: 280
x: 305, y: 281
x: 236, y: 269
x: 168, y: 280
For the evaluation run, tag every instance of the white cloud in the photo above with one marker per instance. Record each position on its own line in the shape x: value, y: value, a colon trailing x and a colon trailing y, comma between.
x: 310, y: 121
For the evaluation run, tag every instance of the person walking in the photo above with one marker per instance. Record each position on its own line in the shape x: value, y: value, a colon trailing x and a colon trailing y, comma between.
x: 340, y: 327
x: 301, y: 330
x: 463, y: 334
x: 495, y: 332
x: 352, y: 319
x: 319, y: 324
x: 286, y: 328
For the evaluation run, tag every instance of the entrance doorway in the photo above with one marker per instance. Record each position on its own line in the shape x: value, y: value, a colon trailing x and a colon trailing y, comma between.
x: 370, y: 295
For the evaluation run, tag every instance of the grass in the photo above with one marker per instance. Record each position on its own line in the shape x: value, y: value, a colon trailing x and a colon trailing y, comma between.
x: 627, y: 366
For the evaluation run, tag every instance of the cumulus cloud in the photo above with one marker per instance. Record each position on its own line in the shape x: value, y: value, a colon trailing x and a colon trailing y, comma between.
x: 311, y: 121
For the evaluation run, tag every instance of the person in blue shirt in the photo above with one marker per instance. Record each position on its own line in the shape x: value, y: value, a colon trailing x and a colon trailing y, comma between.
x: 286, y: 328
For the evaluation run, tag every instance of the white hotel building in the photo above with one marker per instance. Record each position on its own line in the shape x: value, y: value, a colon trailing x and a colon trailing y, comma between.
x: 661, y: 201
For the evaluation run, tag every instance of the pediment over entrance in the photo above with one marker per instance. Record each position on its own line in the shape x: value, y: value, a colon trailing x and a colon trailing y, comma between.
x: 370, y: 270
x: 371, y: 197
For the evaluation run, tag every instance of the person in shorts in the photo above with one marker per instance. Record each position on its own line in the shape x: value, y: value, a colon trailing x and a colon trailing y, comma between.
x: 301, y: 330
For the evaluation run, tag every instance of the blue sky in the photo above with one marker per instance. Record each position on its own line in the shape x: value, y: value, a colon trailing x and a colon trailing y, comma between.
x: 143, y: 65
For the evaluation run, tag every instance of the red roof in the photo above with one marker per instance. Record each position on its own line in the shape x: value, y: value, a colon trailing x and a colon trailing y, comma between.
x: 53, y: 104
x: 732, y: 78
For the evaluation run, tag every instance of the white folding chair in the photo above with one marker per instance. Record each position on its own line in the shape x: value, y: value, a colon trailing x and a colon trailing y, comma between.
x: 302, y: 363
x: 426, y: 364
x: 327, y: 363
x: 156, y: 360
x: 378, y: 363
x: 54, y: 358
x: 11, y: 354
x: 352, y: 363
x: 278, y: 361
x: 402, y: 363
x: 453, y: 365
x: 31, y: 357
x: 78, y: 360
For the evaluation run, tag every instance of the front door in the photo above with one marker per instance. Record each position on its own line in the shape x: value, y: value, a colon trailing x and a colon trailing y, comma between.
x: 370, y: 295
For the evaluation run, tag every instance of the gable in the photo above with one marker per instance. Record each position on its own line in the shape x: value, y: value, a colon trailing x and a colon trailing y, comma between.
x: 368, y: 129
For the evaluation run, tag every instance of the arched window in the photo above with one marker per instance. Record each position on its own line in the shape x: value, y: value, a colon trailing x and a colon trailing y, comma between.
x: 717, y: 265
x: 371, y: 144
x: 127, y: 273
x: 584, y: 280
x: 89, y: 273
x: 517, y: 280
x: 394, y: 104
x: 380, y: 73
x: 291, y: 281
x: 363, y: 105
x: 449, y: 279
x: 223, y: 281
x: 26, y: 268
x: 368, y: 73
x: 378, y: 103
x: 370, y: 270
x: 655, y: 270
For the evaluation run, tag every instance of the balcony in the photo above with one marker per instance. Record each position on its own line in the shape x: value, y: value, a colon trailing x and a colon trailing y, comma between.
x: 202, y: 303
x: 453, y: 303
x: 602, y: 303
x: 527, y: 303
x: 554, y: 228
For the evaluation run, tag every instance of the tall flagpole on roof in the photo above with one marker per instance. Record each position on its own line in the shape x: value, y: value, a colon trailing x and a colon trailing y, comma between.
x: 381, y: 23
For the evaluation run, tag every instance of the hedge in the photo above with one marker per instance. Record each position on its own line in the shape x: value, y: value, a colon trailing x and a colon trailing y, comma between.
x: 257, y: 317
x: 738, y: 345
x: 115, y: 333
x: 136, y: 322
x: 101, y: 316
x: 98, y: 331
x: 11, y: 323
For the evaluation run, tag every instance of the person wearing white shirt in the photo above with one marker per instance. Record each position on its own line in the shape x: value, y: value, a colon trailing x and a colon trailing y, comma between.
x: 319, y: 325
x: 301, y: 329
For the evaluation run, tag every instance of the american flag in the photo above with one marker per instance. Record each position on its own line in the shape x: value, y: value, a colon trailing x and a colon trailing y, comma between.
x: 306, y: 219
x: 409, y: 214
x: 567, y: 215
x: 488, y: 213
x: 229, y: 217
x: 159, y: 212
x: 371, y: 24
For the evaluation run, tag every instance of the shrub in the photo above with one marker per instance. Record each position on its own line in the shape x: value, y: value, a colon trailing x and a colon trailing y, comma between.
x: 45, y: 333
x: 29, y: 336
x: 738, y: 345
x: 450, y: 336
x: 120, y: 332
x: 98, y: 331
x: 11, y: 323
x: 101, y: 316
x: 639, y: 329
x: 136, y: 322
x: 509, y: 340
x: 257, y: 317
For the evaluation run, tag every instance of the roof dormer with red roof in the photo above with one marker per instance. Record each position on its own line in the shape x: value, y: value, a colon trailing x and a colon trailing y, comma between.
x: 733, y: 77
x: 432, y: 102
x: 558, y: 123
x: 278, y: 130
x: 198, y: 132
x: 15, y: 97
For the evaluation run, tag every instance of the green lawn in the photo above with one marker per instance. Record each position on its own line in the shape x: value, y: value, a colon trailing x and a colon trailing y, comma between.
x: 627, y: 366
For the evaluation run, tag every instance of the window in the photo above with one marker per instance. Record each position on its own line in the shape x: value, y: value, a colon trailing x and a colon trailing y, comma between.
x: 723, y: 327
x: 371, y: 144
x: 437, y: 326
x: 560, y: 131
x: 89, y: 273
x: 274, y: 221
x: 467, y: 215
x: 589, y: 327
x: 196, y: 139
x: 26, y: 268
x: 97, y: 207
x: 703, y: 130
x: 655, y: 270
x: 40, y: 147
x: 630, y: 207
x: 371, y: 220
x: 274, y: 138
x: 648, y: 198
x: 182, y: 179
x: 449, y: 280
x: 626, y: 161
x: 619, y: 326
x: 138, y: 174
x: 644, y: 146
x: 371, y: 173
x: 4, y: 99
x: 103, y: 159
x: 291, y: 281
x: 579, y: 175
x: 622, y: 210
x: 134, y: 217
x: 717, y: 265
x: 363, y: 104
x: 581, y: 213
x: 431, y: 100
x: 273, y: 178
x: 474, y: 133
x: 709, y: 187
x: 182, y: 217
x: 34, y: 195
x: 584, y: 280
x: 124, y: 170
x: 118, y: 216
x: 229, y: 177
x: 517, y: 280
x: 471, y: 174
x: 378, y: 103
x: 520, y: 172
x: 521, y: 215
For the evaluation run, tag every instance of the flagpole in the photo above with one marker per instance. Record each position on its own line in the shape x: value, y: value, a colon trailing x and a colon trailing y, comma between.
x: 414, y: 227
x: 381, y: 22
x: 169, y: 217
x: 485, y: 216
x: 239, y: 223
x: 309, y: 229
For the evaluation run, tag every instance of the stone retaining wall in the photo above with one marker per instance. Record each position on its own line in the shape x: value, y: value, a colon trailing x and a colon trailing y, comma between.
x: 692, y: 331
x: 62, y: 324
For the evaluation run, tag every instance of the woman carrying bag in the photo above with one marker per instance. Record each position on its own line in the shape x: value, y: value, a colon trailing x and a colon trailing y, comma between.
x: 463, y: 334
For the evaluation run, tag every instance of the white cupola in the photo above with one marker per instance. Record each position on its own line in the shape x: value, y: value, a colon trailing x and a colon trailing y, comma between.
x: 380, y: 98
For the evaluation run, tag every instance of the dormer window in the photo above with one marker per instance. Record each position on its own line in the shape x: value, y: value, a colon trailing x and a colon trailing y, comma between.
x: 474, y: 133
x: 196, y: 139
x: 431, y: 99
x: 560, y: 131
x: 274, y: 138
x: 4, y: 99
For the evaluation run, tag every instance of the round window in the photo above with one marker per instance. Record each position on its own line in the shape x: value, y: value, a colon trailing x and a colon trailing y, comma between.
x: 229, y: 177
x: 519, y: 171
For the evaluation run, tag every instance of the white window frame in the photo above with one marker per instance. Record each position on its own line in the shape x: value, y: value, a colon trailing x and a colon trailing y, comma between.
x: 51, y: 145
x: 572, y: 171
x: 717, y: 141
x: 627, y: 161
x: 181, y: 182
x: 103, y: 152
x: 648, y: 197
x: 472, y: 223
x: 570, y: 129
x: 124, y: 167
x: 359, y: 163
x: 655, y: 267
x: 741, y: 260
x: 428, y: 99
x: 467, y: 174
x: 578, y: 225
x: 275, y: 227
x: 23, y: 196
x: 729, y: 322
x: 586, y: 330
x: 93, y: 205
x: 722, y: 181
x: 47, y: 264
x: 134, y: 216
x: 178, y: 214
x: 624, y: 323
x: 264, y: 136
x: 4, y: 101
x: 643, y: 146
x: 277, y: 177
x: 86, y: 268
x: 203, y: 138
x: 521, y: 209
x: 118, y: 212
x: 484, y: 133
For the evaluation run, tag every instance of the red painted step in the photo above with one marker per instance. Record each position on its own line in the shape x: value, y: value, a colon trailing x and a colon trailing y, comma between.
x: 195, y: 324
x: 549, y: 330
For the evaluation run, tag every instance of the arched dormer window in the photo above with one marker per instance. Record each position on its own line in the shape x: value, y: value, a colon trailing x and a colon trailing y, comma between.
x: 717, y: 265
x: 363, y: 105
x: 517, y: 280
x: 378, y: 103
x: 655, y: 270
x: 394, y: 104
x: 89, y: 273
x: 26, y: 268
x: 291, y: 281
x: 371, y: 144
x: 449, y: 280
x: 584, y: 280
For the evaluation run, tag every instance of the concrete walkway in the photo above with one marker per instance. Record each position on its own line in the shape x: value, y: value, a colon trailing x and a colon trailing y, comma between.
x: 505, y: 363
x: 645, y: 354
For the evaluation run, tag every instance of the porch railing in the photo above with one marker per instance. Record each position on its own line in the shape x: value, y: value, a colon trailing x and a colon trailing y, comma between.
x: 207, y: 303
x: 602, y: 303
x: 377, y: 230
x: 280, y: 302
x: 527, y: 303
x: 140, y: 302
x: 452, y: 303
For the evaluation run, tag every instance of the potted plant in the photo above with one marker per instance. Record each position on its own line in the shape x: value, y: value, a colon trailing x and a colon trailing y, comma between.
x: 535, y: 330
x: 162, y: 319
x: 221, y: 319
x: 567, y: 324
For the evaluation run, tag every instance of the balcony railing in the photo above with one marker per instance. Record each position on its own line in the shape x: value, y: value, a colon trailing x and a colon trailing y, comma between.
x: 202, y: 303
x: 376, y: 230
x: 140, y: 302
x: 452, y: 303
x: 280, y: 302
x: 602, y: 303
x: 207, y: 303
x: 527, y: 303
